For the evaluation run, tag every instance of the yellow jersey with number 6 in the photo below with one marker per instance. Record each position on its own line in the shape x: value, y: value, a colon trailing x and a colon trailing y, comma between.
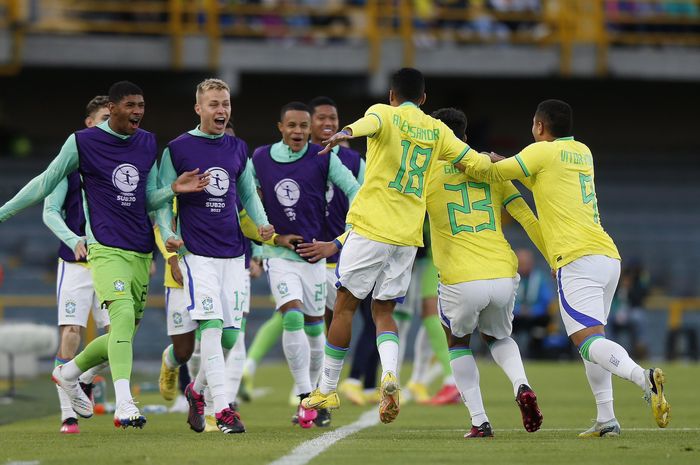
x: 390, y: 205
x: 564, y: 189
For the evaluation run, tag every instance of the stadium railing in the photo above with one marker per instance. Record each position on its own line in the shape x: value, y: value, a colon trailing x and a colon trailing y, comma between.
x: 415, y: 23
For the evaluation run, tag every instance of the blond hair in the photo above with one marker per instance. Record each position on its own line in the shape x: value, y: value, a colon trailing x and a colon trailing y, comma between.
x: 211, y: 84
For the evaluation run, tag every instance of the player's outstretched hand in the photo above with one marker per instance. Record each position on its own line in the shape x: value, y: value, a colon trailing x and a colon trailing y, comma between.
x: 288, y: 241
x: 495, y: 157
x: 80, y: 250
x: 173, y: 245
x: 266, y: 231
x: 334, y: 140
x: 255, y: 268
x: 190, y: 181
x: 175, y: 269
x: 316, y: 250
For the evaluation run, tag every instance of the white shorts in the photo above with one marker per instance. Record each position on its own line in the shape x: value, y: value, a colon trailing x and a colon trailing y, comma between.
x: 586, y: 288
x: 413, y: 301
x: 331, y: 290
x: 245, y: 297
x: 486, y: 304
x: 364, y: 264
x: 215, y: 288
x: 293, y: 280
x: 76, y: 296
x: 178, y: 318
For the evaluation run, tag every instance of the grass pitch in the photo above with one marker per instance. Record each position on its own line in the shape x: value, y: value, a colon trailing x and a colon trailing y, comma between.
x: 421, y: 434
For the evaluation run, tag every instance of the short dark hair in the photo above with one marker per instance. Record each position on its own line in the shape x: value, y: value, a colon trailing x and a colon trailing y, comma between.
x: 321, y: 100
x: 121, y: 89
x: 454, y: 119
x: 408, y: 84
x: 557, y: 117
x: 95, y: 104
x: 294, y: 106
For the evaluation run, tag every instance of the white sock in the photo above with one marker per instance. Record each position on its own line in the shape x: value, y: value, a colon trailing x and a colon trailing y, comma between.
x: 213, y: 366
x: 422, y: 353
x: 298, y: 354
x: 89, y: 376
x: 316, y: 354
x: 402, y: 328
x: 234, y: 367
x: 169, y: 357
x: 122, y: 391
x: 64, y: 402
x: 506, y: 354
x: 467, y: 378
x: 614, y: 358
x: 600, y: 380
x: 388, y: 347
x: 70, y: 371
x: 331, y: 374
x: 193, y: 364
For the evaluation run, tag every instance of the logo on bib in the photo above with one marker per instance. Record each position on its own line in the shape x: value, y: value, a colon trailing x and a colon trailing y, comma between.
x: 125, y: 177
x: 288, y: 192
x: 218, y: 182
x: 119, y: 285
x: 70, y: 307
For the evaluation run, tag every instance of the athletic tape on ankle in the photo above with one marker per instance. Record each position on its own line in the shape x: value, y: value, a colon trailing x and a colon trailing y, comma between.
x: 586, y: 345
x: 386, y: 337
x: 314, y: 328
x: 293, y: 320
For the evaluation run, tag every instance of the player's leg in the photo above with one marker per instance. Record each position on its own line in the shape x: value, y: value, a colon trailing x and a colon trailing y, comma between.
x: 101, y: 317
x: 459, y: 307
x: 265, y: 338
x: 181, y: 330
x: 363, y: 371
x: 235, y: 360
x: 496, y: 326
x: 585, y: 288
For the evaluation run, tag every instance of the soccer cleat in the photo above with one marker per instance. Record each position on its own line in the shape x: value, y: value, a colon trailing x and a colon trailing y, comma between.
x: 318, y: 400
x: 530, y: 411
x: 210, y: 424
x: 389, y: 402
x: 304, y: 417
x: 448, y: 394
x: 87, y: 389
x: 654, y: 395
x: 608, y: 429
x: 168, y: 379
x: 372, y: 396
x: 127, y: 414
x: 180, y: 405
x: 195, y: 415
x: 352, y: 389
x: 419, y: 392
x: 70, y: 426
x: 78, y: 400
x: 323, y: 419
x: 293, y: 398
x: 482, y: 431
x: 229, y: 422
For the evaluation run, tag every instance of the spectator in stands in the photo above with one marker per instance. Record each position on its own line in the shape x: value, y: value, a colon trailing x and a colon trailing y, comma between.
x: 531, y: 312
x: 628, y: 316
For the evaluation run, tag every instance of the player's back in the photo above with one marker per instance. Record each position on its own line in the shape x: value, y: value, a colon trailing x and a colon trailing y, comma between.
x: 390, y: 205
x: 567, y: 206
x: 465, y: 226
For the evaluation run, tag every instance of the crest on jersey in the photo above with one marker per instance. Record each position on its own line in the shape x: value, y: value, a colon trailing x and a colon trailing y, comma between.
x: 70, y: 307
x: 218, y: 181
x: 288, y: 192
x: 125, y: 177
x: 119, y: 285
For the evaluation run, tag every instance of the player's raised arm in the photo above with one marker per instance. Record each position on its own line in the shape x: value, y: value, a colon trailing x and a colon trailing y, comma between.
x: 519, y: 209
x: 368, y: 125
x: 41, y: 186
x: 53, y: 219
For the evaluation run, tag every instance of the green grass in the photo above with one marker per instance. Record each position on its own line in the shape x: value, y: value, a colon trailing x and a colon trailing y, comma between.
x: 420, y: 435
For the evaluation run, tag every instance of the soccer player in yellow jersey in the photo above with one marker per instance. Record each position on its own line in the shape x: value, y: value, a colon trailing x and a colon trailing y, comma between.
x: 585, y: 259
x: 387, y: 220
x: 478, y: 277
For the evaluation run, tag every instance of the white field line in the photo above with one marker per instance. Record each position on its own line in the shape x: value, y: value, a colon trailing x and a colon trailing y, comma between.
x: 306, y: 451
x: 551, y: 430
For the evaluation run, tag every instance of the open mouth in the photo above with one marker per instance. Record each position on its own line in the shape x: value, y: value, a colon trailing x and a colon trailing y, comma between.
x: 134, y: 122
x: 220, y: 122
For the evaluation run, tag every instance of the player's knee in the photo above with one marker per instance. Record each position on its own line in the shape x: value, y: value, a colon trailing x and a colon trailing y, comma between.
x: 313, y: 327
x: 229, y: 337
x: 183, y: 353
x: 293, y: 320
x: 70, y: 330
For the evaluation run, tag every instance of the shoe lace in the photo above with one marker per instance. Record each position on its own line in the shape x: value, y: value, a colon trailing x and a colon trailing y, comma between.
x: 228, y: 416
x: 129, y: 407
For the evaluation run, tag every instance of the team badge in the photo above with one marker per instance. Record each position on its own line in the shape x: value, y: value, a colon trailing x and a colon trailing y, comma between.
x: 177, y: 318
x: 119, y: 285
x: 207, y: 304
x: 70, y: 307
x: 282, y: 288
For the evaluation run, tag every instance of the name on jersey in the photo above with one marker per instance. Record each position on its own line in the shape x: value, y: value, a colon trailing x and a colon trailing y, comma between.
x: 414, y: 131
x: 450, y: 169
x: 574, y: 158
x: 215, y: 204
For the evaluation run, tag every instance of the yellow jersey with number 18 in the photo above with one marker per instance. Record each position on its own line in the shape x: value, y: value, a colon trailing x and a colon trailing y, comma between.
x: 402, y: 143
x: 564, y: 190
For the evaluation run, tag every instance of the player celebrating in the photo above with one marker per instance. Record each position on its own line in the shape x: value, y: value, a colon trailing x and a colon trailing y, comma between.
x: 211, y: 237
x: 292, y: 180
x: 387, y: 220
x: 584, y: 256
x: 478, y: 277
x: 113, y: 158
x: 64, y: 216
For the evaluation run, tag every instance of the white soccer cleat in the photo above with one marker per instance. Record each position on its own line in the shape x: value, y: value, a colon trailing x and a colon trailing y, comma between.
x: 78, y: 400
x: 127, y: 414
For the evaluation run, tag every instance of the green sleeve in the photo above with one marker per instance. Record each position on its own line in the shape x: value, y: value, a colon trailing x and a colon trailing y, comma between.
x: 342, y: 177
x: 164, y: 215
x: 157, y: 197
x: 251, y: 168
x: 41, y: 186
x: 256, y: 250
x: 361, y: 172
x: 245, y: 185
x: 53, y: 215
